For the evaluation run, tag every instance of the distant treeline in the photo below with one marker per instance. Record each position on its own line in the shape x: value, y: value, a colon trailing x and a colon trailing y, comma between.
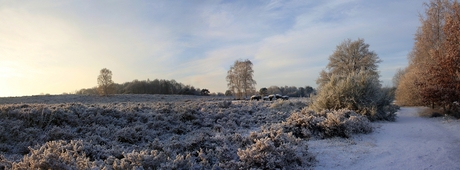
x: 160, y: 86
x: 291, y: 91
x: 148, y: 87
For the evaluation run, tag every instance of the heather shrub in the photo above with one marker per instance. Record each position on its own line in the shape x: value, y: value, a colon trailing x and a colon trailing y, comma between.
x: 225, y: 104
x: 287, y: 106
x: 326, y: 124
x: 4, y: 163
x: 55, y: 155
x: 360, y: 92
x: 184, y: 134
x: 271, y: 148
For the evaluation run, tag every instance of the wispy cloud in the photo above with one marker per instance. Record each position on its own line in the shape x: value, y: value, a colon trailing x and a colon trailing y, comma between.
x: 62, y: 45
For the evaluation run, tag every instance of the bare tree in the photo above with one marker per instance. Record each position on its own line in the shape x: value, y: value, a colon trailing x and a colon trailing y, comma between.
x: 350, y: 57
x: 397, y: 77
x: 105, y: 83
x: 240, y: 79
x: 407, y: 92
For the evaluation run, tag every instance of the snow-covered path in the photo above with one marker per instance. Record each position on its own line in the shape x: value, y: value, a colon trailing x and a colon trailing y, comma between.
x: 412, y: 142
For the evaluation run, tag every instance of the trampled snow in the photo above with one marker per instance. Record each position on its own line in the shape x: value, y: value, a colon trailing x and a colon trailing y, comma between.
x: 412, y: 142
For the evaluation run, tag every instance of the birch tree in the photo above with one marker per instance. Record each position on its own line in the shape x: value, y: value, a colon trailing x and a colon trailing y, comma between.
x: 105, y: 83
x: 240, y: 79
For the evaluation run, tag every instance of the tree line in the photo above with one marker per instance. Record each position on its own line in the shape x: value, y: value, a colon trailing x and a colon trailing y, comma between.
x: 157, y: 86
x: 432, y: 77
x: 160, y: 86
x: 291, y: 91
x: 241, y: 84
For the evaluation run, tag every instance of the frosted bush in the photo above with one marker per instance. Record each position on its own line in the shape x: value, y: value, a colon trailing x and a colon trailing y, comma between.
x: 326, y: 124
x: 182, y: 134
x: 225, y: 104
x: 59, y: 133
x: 4, y: 163
x: 287, y: 106
x: 165, y: 134
x: 273, y: 149
x: 360, y: 92
x: 55, y: 155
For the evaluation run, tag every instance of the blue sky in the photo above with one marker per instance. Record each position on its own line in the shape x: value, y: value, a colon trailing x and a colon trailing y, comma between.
x: 59, y: 46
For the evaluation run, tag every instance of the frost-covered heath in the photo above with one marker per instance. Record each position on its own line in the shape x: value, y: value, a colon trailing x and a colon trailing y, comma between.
x: 164, y: 132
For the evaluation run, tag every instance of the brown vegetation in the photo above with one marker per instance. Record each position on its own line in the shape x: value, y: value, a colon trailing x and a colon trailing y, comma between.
x: 432, y: 77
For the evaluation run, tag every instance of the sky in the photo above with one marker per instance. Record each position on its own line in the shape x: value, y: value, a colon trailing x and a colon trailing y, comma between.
x: 57, y: 46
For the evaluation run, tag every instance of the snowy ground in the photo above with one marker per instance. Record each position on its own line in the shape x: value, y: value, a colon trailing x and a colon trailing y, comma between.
x: 412, y: 142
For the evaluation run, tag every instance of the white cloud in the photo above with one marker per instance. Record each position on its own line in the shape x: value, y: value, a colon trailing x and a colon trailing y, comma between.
x: 193, y: 42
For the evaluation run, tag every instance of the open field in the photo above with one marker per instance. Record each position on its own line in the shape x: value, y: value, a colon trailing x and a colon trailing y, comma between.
x: 147, y: 131
x: 203, y: 132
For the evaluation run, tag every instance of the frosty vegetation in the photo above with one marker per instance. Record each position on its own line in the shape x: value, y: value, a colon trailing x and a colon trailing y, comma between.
x: 164, y: 132
x: 360, y: 92
x: 351, y: 81
x: 432, y: 77
x: 195, y: 132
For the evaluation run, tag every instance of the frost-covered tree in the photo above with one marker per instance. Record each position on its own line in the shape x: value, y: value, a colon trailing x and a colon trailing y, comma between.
x: 350, y: 57
x: 352, y: 82
x: 428, y: 48
x: 105, y: 83
x: 240, y: 79
x: 443, y: 89
x: 407, y: 92
x: 430, y: 77
x: 360, y: 92
x: 397, y: 77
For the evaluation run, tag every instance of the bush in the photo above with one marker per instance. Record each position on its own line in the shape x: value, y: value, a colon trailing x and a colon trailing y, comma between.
x: 360, y: 92
x: 225, y: 104
x: 167, y: 135
x: 273, y: 149
x: 190, y: 134
x: 326, y: 124
x: 55, y: 155
x: 287, y: 106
